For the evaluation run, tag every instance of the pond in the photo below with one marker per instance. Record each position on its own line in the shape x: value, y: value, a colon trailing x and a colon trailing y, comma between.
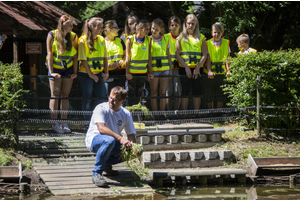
x: 191, y: 192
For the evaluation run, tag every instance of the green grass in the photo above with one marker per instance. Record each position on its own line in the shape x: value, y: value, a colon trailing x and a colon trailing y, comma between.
x: 6, y: 157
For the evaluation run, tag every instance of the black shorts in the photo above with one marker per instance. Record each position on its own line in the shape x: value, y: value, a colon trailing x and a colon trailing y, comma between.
x: 196, y: 86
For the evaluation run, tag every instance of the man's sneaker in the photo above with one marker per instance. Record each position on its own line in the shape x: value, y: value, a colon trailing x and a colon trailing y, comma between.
x: 110, y: 172
x: 56, y: 127
x: 99, y: 180
x: 65, y: 128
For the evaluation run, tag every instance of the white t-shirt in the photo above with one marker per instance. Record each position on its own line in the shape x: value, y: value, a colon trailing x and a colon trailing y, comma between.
x: 115, y: 121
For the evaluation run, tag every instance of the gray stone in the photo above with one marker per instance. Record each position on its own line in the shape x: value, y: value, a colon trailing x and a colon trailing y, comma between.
x: 144, y: 140
x: 216, y: 137
x: 187, y: 138
x: 225, y: 154
x: 211, y: 155
x: 180, y: 156
x: 201, y: 138
x: 196, y: 155
x: 172, y: 139
x: 159, y: 139
x: 150, y: 157
x: 166, y: 156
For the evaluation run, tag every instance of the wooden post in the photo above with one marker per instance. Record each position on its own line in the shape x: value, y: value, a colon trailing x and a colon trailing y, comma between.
x: 258, y: 97
x: 15, y: 44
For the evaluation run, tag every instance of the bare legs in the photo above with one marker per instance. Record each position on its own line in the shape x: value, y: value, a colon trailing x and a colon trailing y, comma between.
x: 163, y: 83
x: 60, y: 88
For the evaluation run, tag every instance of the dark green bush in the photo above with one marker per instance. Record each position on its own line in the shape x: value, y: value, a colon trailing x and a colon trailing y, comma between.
x: 11, y: 91
x: 279, y: 71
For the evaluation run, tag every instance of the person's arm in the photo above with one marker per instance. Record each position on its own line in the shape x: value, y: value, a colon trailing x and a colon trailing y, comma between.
x: 105, y: 73
x: 75, y: 59
x: 150, y: 75
x: 128, y: 47
x: 170, y: 61
x: 106, y: 131
x: 202, y: 60
x: 180, y: 60
x: 49, y: 42
x: 4, y: 37
x: 227, y: 63
x: 210, y: 74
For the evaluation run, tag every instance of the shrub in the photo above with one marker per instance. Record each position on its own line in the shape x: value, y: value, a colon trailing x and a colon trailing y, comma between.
x: 11, y: 91
x: 279, y: 71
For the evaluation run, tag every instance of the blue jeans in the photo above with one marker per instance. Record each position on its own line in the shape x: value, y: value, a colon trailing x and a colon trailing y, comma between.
x: 107, y: 151
x: 87, y: 87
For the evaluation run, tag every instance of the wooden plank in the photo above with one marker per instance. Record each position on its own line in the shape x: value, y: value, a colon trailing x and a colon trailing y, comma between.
x: 252, y: 165
x: 201, y: 172
x: 277, y: 160
x: 74, y: 166
x: 60, y: 155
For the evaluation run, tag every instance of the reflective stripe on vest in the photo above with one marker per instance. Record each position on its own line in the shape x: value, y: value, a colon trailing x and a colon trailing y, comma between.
x: 191, y: 51
x: 115, y: 52
x: 139, y: 54
x: 65, y: 60
x: 95, y: 60
x: 218, y: 56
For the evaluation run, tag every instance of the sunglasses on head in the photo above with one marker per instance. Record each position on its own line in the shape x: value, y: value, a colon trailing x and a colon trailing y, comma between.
x: 65, y: 18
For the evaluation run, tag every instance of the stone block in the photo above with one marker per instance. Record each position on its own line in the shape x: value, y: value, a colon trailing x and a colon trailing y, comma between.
x: 159, y: 139
x: 225, y: 154
x: 166, y: 156
x: 201, y: 138
x: 181, y: 156
x: 144, y: 140
x: 150, y: 157
x: 196, y: 155
x: 172, y: 139
x: 216, y: 137
x: 187, y: 138
x: 211, y: 155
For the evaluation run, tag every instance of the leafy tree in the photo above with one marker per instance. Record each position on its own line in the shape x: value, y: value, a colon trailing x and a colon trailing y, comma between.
x: 83, y: 10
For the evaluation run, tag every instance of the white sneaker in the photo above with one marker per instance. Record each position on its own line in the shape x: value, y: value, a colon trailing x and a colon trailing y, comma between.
x: 65, y: 128
x: 56, y: 127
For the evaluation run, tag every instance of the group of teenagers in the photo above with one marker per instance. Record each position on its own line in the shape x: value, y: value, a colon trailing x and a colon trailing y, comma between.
x: 101, y: 63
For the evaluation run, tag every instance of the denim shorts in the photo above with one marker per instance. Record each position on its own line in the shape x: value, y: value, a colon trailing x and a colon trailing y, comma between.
x: 159, y: 73
x: 62, y: 72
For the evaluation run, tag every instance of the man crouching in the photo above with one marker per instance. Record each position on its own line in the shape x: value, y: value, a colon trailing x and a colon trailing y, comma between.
x: 103, y: 136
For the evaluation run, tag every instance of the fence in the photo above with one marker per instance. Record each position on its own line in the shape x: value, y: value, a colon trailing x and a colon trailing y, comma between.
x: 37, y: 114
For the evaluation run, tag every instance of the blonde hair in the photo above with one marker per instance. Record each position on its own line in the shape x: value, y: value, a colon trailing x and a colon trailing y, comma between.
x: 87, y: 30
x: 127, y: 30
x: 60, y: 35
x: 218, y: 26
x: 160, y: 24
x: 243, y: 38
x: 184, y: 33
x: 109, y: 24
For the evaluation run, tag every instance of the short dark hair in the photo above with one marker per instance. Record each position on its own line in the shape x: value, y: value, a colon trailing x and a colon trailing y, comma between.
x: 120, y: 90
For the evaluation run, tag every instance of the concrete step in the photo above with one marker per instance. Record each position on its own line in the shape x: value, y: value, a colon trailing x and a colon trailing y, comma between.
x: 186, y: 159
x: 179, y: 139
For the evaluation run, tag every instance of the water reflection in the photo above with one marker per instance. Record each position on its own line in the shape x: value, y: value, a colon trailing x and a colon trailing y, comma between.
x: 207, y: 193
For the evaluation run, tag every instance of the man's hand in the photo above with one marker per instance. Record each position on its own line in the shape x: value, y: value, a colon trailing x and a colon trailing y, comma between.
x: 126, y: 143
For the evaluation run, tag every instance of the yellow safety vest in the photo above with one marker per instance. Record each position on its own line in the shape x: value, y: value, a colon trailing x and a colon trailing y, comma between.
x: 159, y: 55
x: 172, y: 49
x: 218, y: 56
x: 139, y: 55
x: 250, y: 50
x: 95, y: 59
x: 115, y: 52
x: 191, y: 51
x: 65, y: 59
